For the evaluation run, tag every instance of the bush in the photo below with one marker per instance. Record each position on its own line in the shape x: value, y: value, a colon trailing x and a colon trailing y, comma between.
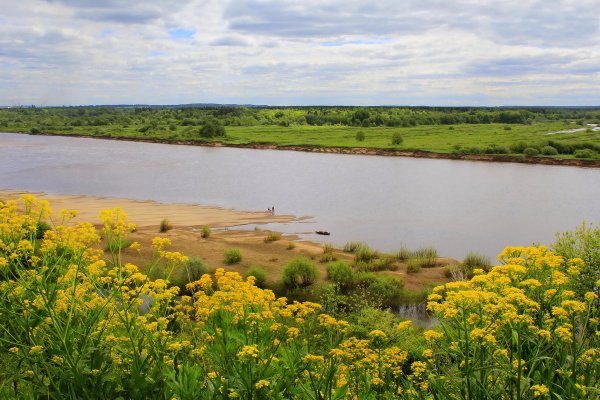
x: 531, y: 152
x: 205, y: 232
x: 165, y: 226
x: 360, y: 136
x: 299, y: 272
x: 260, y: 276
x: 518, y: 147
x: 582, y: 242
x: 212, y: 129
x: 388, y: 289
x: 341, y: 273
x: 195, y: 267
x: 272, y: 237
x: 232, y: 256
x: 291, y: 246
x: 584, y: 153
x: 35, y: 130
x: 475, y: 260
x: 549, y: 151
x: 397, y: 138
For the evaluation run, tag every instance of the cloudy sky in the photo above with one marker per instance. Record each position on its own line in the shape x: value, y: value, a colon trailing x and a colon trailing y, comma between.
x: 284, y: 52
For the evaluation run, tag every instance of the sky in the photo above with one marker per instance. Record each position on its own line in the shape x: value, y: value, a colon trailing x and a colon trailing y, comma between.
x: 284, y: 52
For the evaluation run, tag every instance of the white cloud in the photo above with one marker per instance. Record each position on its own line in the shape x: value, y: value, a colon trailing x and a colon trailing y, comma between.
x: 287, y: 52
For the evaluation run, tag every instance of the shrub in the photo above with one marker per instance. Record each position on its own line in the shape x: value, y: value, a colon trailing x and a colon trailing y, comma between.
x: 35, y: 130
x: 232, y: 256
x: 260, y: 276
x: 475, y: 260
x: 360, y: 136
x: 194, y: 268
x: 165, y: 226
x: 584, y: 153
x: 299, y: 272
x: 397, y: 138
x: 549, y: 151
x: 507, y: 128
x: 291, y: 246
x: 205, y: 232
x: 518, y: 147
x: 531, y: 152
x: 272, y: 237
x: 341, y: 273
x: 582, y: 242
x: 387, y: 288
x: 212, y: 129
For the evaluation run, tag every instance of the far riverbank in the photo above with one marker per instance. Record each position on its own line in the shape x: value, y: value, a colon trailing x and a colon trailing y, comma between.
x: 369, y: 151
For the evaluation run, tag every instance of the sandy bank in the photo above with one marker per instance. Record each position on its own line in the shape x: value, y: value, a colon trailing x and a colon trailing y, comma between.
x: 185, y: 235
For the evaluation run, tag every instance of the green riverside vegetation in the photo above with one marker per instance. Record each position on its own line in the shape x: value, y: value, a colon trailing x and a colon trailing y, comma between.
x: 529, y: 132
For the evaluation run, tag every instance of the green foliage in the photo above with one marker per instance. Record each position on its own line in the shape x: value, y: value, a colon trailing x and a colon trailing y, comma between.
x: 232, y: 256
x: 364, y: 253
x: 260, y: 276
x: 41, y: 228
x: 397, y: 138
x: 194, y: 268
x: 118, y: 244
x: 299, y: 272
x: 531, y: 151
x: 549, y: 151
x: 414, y: 265
x: 360, y: 136
x: 341, y: 274
x: 584, y: 153
x: 582, y: 242
x: 165, y: 226
x: 205, y: 232
x: 212, y: 129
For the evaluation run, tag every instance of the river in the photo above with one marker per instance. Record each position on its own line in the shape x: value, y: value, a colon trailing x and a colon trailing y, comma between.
x: 455, y: 206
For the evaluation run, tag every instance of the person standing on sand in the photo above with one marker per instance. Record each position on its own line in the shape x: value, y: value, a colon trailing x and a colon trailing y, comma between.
x: 273, y: 210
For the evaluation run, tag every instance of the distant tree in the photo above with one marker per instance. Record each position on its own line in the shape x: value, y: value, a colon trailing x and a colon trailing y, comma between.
x: 211, y: 129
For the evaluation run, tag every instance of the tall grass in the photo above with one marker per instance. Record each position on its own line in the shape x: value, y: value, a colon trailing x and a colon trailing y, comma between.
x: 232, y: 256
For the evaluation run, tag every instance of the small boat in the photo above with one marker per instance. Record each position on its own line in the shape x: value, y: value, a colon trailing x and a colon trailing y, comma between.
x: 322, y: 233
